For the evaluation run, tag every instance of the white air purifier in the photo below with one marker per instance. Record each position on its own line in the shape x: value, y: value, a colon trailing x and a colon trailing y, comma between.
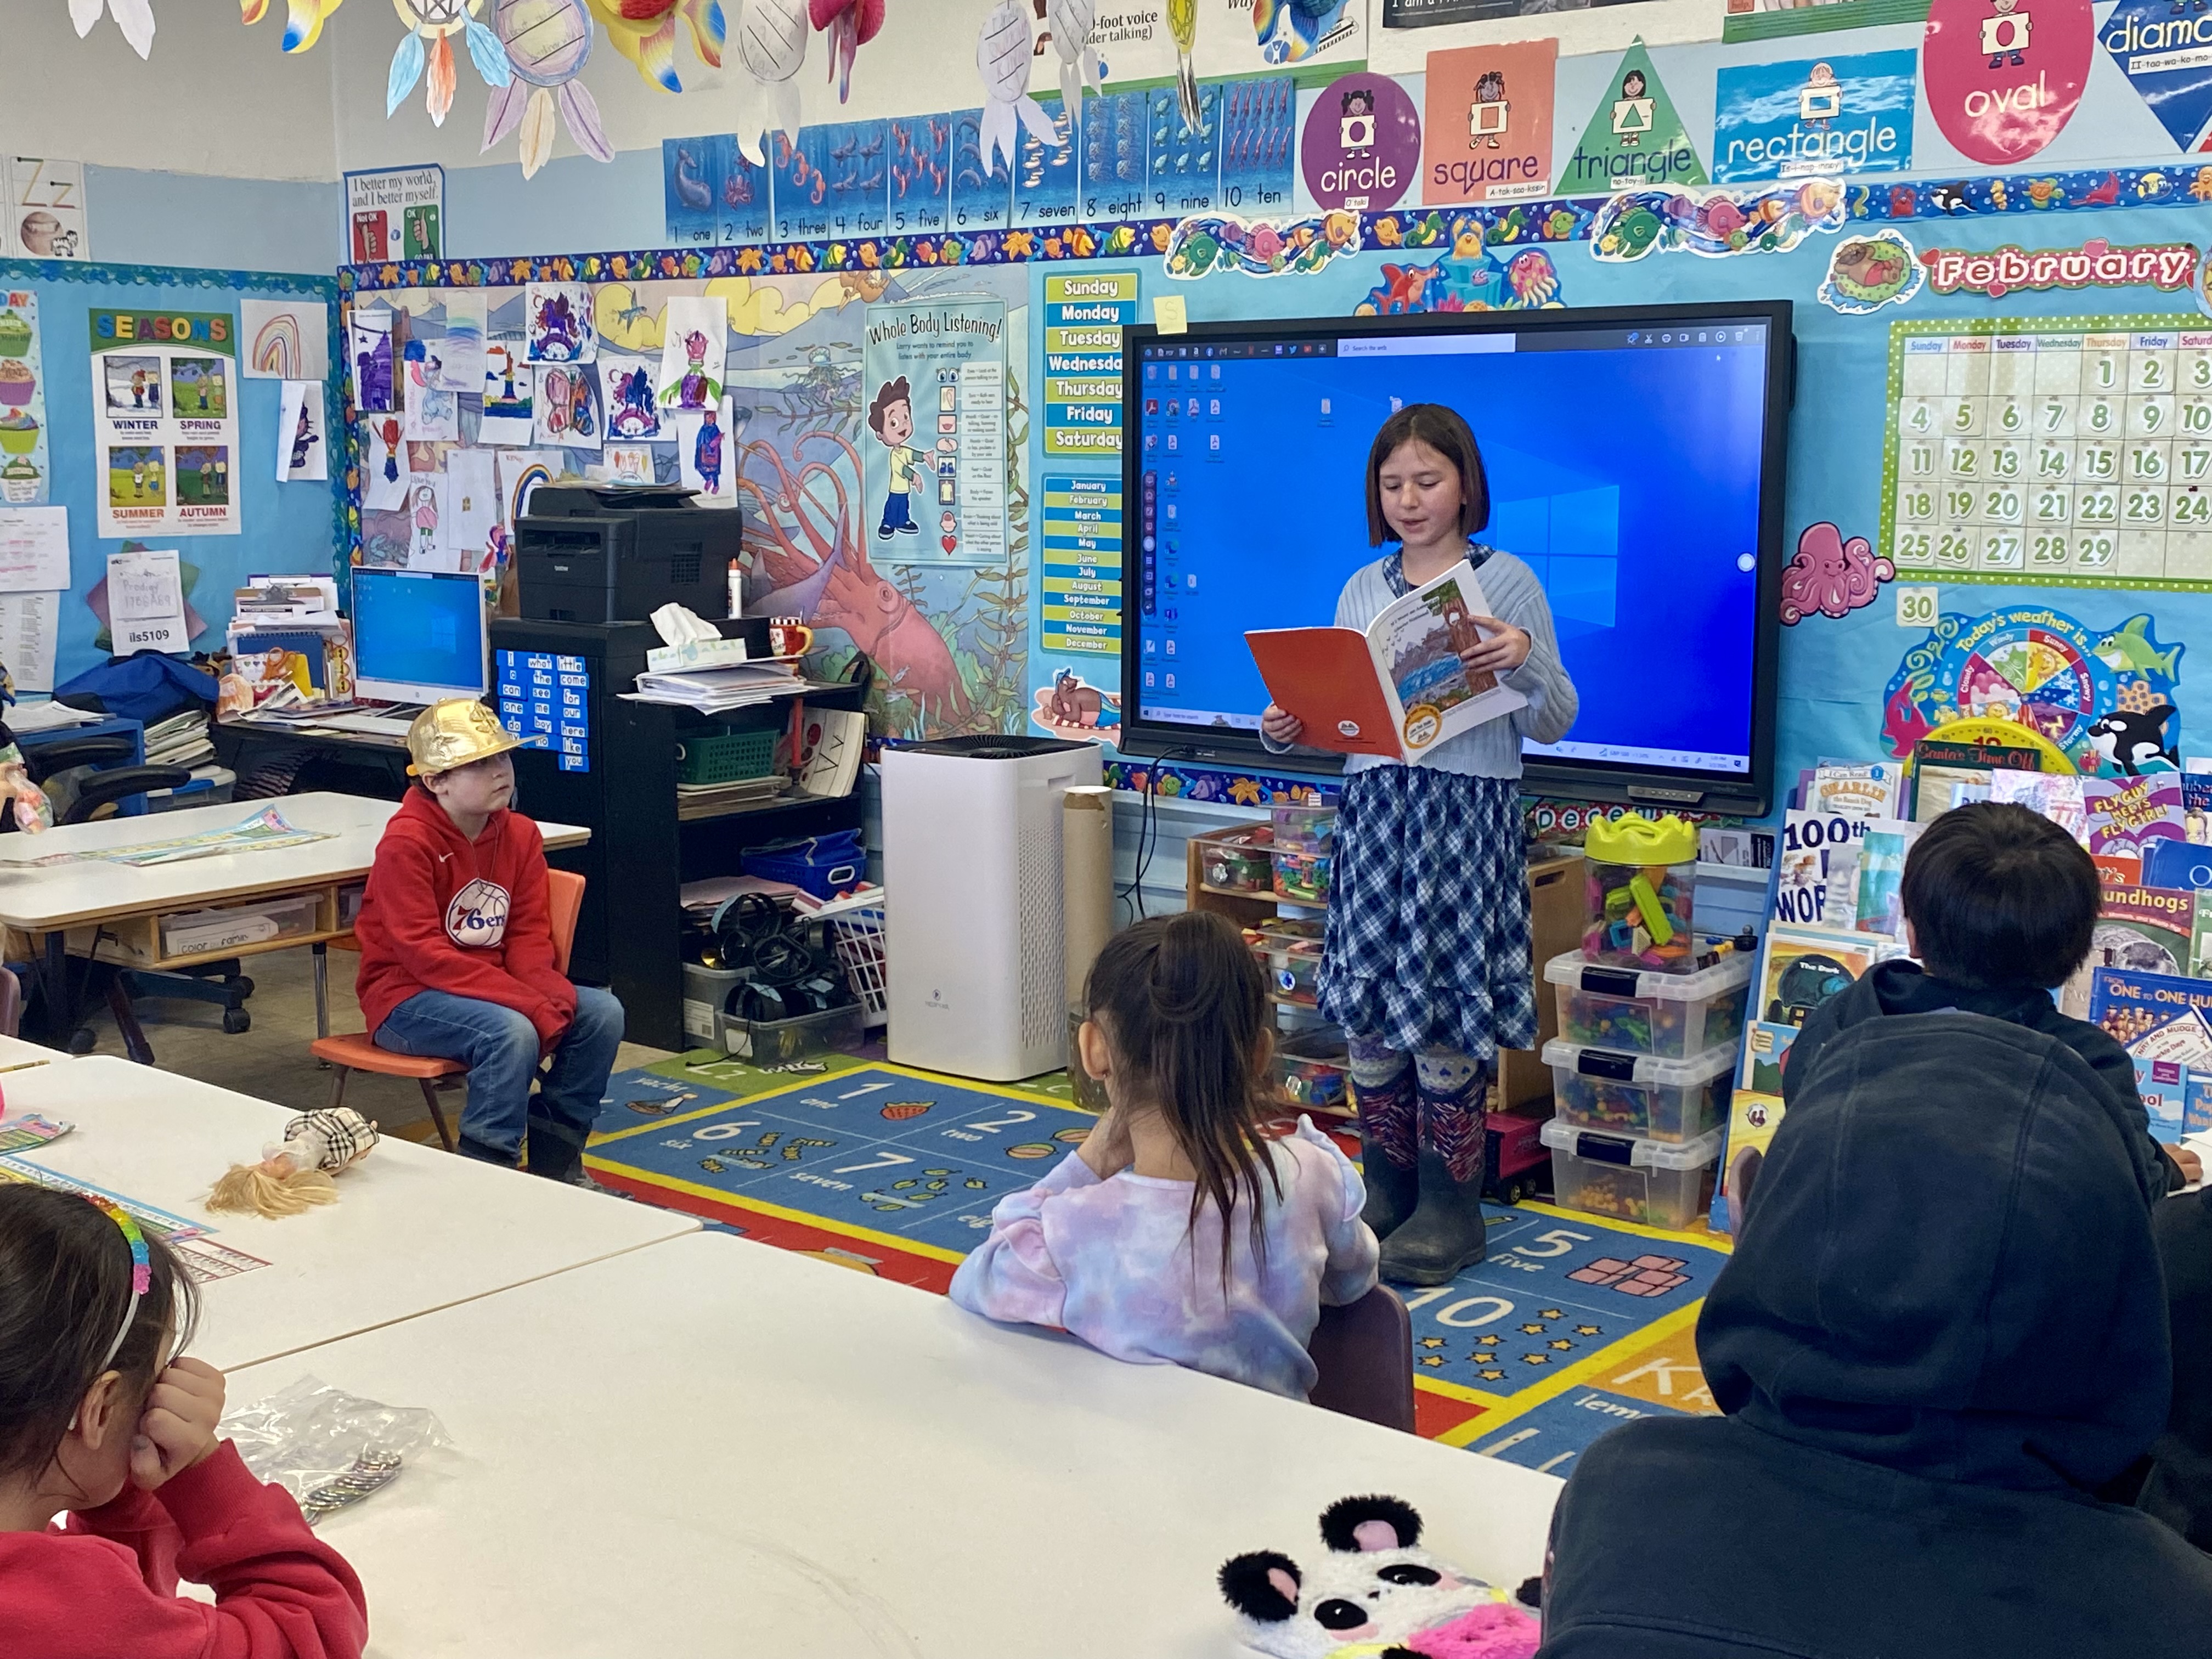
x: 973, y: 916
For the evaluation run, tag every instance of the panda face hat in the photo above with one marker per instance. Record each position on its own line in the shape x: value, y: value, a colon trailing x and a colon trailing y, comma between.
x: 1376, y: 1587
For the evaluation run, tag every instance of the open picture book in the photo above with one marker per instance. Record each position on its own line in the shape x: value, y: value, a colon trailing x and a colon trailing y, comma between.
x: 1398, y: 688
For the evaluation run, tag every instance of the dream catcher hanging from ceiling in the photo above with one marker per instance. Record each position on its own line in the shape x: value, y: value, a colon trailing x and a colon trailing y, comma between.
x: 428, y: 46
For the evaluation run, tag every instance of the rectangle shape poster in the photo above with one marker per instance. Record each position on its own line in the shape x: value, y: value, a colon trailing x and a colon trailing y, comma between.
x: 165, y: 422
x: 934, y: 454
x: 1825, y: 117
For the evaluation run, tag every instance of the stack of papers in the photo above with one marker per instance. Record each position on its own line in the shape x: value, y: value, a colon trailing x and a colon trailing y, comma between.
x: 49, y: 716
x: 718, y: 691
x: 179, y: 741
x: 705, y: 799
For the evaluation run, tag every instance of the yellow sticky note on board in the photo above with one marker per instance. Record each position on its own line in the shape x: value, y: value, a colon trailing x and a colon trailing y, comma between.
x: 1168, y: 315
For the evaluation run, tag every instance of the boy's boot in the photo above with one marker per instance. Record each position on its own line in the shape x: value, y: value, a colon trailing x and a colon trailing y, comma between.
x: 469, y: 1146
x: 1446, y: 1233
x: 556, y: 1152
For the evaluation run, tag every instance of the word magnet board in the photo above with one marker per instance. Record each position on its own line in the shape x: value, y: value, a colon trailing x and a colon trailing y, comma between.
x: 2075, y: 451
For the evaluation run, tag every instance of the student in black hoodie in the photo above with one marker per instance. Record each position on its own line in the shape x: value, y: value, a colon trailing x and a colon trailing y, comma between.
x: 2000, y: 904
x: 1940, y: 1337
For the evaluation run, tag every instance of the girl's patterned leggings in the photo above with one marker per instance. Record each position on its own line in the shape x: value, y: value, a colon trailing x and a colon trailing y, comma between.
x: 1437, y: 1096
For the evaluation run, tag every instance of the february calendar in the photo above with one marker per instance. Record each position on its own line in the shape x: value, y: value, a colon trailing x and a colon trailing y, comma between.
x: 2074, y: 451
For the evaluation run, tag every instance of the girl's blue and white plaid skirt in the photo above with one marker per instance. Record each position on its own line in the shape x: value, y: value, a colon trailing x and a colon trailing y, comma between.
x: 1428, y: 942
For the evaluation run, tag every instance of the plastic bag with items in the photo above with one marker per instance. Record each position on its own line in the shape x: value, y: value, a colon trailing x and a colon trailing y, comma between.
x: 329, y: 1448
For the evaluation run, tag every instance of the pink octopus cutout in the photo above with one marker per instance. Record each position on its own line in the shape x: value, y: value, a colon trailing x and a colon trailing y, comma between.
x: 1830, y: 575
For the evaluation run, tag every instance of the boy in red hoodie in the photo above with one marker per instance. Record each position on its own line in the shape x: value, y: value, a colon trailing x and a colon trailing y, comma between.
x: 456, y: 951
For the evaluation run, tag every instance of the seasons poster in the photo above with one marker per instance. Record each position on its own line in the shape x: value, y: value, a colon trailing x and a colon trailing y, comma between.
x: 164, y: 422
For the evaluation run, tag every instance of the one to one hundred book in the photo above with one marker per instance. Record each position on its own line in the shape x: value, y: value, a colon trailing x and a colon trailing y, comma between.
x: 1398, y: 688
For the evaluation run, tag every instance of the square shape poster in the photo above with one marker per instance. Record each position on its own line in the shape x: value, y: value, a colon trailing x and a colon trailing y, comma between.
x: 1486, y: 124
x: 165, y: 422
x: 1815, y: 117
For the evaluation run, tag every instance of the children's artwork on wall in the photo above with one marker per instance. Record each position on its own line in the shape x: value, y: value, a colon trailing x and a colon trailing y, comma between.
x: 371, y: 351
x: 568, y: 410
x: 1634, y: 139
x: 630, y: 396
x: 472, y: 506
x: 1716, y: 223
x: 1866, y: 273
x: 302, y: 447
x: 165, y: 430
x: 706, y: 447
x: 425, y: 512
x: 1210, y: 242
x: 547, y: 43
x: 2062, y: 450
x: 695, y: 334
x: 2003, y: 78
x: 1487, y: 126
x: 285, y: 339
x: 559, y: 328
x: 1361, y: 149
x: 429, y: 413
x: 518, y: 473
x: 630, y: 463
x: 461, y: 352
x: 24, y: 467
x: 1822, y: 117
x: 509, y: 387
x: 383, y: 470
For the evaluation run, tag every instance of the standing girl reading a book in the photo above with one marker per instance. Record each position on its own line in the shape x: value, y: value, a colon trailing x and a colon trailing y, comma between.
x: 1426, y: 963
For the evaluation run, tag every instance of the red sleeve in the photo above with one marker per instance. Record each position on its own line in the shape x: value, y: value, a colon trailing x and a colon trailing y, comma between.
x: 281, y: 1593
x: 528, y: 942
x: 402, y: 885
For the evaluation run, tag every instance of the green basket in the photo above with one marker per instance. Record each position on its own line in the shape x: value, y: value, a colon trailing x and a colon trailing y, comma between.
x: 726, y: 757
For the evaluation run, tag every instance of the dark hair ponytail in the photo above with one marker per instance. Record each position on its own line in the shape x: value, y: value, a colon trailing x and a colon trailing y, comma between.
x: 65, y: 1274
x: 1185, y: 1012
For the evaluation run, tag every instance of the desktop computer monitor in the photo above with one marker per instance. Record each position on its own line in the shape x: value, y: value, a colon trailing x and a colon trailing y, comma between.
x: 418, y: 635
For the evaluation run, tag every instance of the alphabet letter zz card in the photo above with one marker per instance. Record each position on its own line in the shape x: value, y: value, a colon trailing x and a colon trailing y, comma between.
x: 1486, y: 131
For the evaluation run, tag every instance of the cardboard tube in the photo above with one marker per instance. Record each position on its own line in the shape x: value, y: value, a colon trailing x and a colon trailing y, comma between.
x: 1087, y: 825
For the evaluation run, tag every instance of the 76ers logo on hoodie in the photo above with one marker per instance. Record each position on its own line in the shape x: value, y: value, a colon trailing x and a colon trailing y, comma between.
x: 478, y: 915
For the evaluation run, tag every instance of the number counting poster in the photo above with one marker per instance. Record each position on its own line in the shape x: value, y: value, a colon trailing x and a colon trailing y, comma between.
x: 2069, y: 450
x: 165, y: 422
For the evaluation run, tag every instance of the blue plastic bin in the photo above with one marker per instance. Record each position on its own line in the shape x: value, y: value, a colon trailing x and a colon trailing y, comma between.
x: 824, y: 866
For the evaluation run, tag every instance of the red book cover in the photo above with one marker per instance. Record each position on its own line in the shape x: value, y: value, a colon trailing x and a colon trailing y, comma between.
x: 1326, y: 676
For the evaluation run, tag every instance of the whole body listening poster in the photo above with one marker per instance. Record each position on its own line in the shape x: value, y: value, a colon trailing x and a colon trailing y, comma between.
x: 165, y: 422
x: 934, y: 467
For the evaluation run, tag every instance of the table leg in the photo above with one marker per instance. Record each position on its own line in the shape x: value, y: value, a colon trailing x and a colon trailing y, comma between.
x: 53, y: 980
x: 126, y: 1021
x: 322, y: 988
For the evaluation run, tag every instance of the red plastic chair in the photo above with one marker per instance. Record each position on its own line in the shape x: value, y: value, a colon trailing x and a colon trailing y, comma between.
x: 564, y: 899
x: 1364, y: 1352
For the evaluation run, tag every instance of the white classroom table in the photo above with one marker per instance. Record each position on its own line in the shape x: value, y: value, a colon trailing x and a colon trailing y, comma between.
x: 413, y: 1228
x: 15, y: 1054
x: 719, y: 1450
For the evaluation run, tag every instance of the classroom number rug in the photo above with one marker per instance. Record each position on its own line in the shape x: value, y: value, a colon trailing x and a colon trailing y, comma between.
x: 1573, y: 1324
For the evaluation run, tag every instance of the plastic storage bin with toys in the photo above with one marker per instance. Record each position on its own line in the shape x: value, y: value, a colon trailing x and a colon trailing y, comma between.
x: 1288, y: 952
x: 1640, y: 878
x: 1655, y: 1184
x: 1671, y: 1100
x: 1304, y: 848
x: 1642, y: 1012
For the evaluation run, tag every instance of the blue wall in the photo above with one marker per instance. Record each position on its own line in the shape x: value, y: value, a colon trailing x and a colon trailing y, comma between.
x: 229, y: 224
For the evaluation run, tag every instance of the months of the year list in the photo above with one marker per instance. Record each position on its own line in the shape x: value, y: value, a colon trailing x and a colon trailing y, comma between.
x: 2070, y: 450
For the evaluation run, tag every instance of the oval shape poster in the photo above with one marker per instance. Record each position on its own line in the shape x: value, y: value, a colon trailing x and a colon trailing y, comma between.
x: 2004, y: 77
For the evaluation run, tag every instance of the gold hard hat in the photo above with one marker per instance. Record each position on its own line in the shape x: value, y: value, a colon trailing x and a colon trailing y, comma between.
x: 453, y: 733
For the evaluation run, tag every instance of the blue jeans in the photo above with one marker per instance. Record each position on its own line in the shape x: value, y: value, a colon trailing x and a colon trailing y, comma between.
x: 499, y: 1048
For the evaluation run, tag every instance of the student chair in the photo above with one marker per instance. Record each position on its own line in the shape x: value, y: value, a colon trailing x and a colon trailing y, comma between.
x: 564, y: 899
x: 1364, y: 1352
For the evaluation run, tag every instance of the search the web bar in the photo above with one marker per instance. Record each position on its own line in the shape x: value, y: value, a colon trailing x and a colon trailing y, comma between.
x: 1427, y: 345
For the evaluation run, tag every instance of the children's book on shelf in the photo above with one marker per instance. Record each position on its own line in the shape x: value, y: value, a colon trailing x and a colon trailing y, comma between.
x: 1841, y: 872
x: 1815, y: 848
x: 2169, y: 863
x: 2145, y: 929
x: 2200, y: 934
x: 1943, y: 766
x: 2163, y: 1087
x: 2127, y: 814
x: 2196, y: 1103
x: 1765, y: 1056
x: 2197, y: 803
x: 1801, y: 968
x: 2056, y: 795
x: 2155, y: 1016
x: 1398, y: 688
x: 1873, y: 790
x: 1753, y: 1120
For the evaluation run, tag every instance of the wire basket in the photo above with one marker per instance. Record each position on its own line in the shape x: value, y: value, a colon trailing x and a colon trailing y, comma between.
x: 856, y: 939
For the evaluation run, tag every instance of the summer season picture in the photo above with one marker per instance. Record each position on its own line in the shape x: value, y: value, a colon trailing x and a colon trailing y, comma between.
x: 196, y: 388
x: 134, y: 475
x: 203, y: 475
x: 134, y: 384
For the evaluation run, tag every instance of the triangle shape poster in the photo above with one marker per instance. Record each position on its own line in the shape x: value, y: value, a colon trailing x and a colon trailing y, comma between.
x: 1635, y: 139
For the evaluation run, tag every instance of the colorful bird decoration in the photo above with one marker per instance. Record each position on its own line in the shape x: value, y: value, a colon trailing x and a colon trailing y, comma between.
x: 1070, y: 21
x: 1002, y: 53
x: 547, y: 42
x: 771, y: 45
x: 1182, y: 27
x: 850, y: 25
x: 431, y: 26
x: 1289, y: 31
x: 644, y: 31
x: 303, y: 19
x: 134, y: 17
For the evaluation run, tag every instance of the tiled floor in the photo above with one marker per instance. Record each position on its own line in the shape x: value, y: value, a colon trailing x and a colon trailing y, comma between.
x: 272, y: 1060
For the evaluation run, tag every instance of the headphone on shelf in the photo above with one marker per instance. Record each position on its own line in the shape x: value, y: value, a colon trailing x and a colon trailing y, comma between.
x: 788, y: 972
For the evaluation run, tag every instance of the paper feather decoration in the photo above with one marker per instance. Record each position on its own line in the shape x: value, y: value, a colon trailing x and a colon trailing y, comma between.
x: 1002, y: 53
x: 134, y: 17
x: 427, y: 49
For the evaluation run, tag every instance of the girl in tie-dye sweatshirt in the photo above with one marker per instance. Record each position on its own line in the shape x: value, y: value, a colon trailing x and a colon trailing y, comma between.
x: 1179, y: 1234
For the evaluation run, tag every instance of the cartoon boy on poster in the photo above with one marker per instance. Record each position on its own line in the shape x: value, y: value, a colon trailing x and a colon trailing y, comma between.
x: 890, y: 417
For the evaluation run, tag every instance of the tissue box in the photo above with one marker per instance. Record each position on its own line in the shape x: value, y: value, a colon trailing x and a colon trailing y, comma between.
x: 695, y: 654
